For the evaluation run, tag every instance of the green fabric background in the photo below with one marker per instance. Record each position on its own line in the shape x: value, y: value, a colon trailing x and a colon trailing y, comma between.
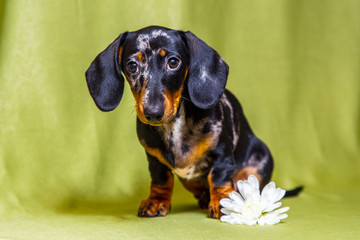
x: 70, y: 171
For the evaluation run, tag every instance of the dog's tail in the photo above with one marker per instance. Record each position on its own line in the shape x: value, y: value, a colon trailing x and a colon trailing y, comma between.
x: 294, y: 192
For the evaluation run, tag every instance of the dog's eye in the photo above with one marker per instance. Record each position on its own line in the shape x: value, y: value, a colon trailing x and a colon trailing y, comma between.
x: 132, y: 67
x: 173, y: 63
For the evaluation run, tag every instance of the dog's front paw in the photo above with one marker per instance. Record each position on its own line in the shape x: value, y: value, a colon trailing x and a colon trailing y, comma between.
x: 214, y: 209
x: 153, y: 207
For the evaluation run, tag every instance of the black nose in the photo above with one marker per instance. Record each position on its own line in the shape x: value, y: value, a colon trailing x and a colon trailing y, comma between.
x: 154, y: 114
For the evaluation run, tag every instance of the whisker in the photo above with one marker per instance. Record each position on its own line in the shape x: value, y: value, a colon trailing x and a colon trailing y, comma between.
x: 186, y: 99
x: 133, y: 109
x: 169, y: 115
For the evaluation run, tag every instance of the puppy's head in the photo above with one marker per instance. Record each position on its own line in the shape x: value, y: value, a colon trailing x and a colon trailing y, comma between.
x: 159, y: 64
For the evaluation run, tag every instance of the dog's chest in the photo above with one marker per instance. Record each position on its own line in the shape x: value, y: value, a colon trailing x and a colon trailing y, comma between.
x: 190, y: 144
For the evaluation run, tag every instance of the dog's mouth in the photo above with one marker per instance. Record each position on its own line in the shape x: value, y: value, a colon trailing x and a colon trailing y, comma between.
x: 170, y: 106
x: 168, y: 117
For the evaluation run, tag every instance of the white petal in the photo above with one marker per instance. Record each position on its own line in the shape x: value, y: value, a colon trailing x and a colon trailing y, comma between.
x: 225, y: 202
x: 282, y: 210
x: 269, y: 188
x: 255, y: 196
x: 277, y: 212
x: 280, y: 193
x: 282, y: 216
x: 245, y: 189
x: 226, y: 211
x: 233, y: 218
x: 237, y: 198
x: 271, y: 195
x: 228, y: 219
x: 272, y: 207
x: 268, y: 220
x: 261, y: 221
x: 240, y: 185
x: 266, y: 194
x: 254, y: 182
x: 251, y: 222
x: 273, y: 217
x: 250, y: 193
x: 230, y: 204
x: 239, y: 218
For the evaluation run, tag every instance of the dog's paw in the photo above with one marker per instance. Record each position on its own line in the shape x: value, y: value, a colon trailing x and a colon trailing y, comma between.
x: 153, y: 207
x: 214, y: 209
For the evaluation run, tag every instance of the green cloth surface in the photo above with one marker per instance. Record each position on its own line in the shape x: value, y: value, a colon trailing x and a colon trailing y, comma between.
x: 70, y: 171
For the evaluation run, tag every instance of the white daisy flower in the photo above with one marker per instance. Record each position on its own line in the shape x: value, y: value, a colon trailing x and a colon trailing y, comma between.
x: 250, y: 207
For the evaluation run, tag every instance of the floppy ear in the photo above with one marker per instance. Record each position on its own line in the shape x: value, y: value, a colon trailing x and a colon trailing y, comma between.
x: 104, y: 78
x: 207, y: 73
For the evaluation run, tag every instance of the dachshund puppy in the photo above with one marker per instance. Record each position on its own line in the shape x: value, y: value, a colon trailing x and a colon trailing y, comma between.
x: 187, y: 122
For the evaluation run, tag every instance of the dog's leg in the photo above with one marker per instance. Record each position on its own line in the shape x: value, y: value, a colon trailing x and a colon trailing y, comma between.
x: 200, y: 189
x: 220, y: 183
x: 258, y: 162
x: 159, y: 201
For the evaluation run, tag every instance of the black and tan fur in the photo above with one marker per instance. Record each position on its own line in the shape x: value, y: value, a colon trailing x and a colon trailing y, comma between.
x: 187, y: 122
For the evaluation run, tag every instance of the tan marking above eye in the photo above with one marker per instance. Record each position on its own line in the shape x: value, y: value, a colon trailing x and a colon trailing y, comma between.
x: 162, y: 52
x: 140, y: 56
